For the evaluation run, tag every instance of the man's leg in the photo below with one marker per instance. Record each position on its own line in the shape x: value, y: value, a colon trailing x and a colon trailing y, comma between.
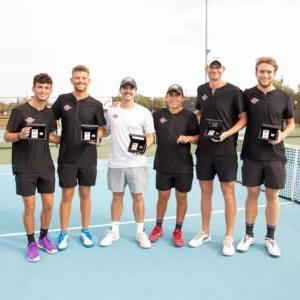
x: 206, y: 187
x: 65, y: 207
x: 181, y: 200
x: 85, y: 205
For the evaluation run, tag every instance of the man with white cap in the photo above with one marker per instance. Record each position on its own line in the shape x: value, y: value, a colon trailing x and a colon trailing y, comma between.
x: 218, y: 103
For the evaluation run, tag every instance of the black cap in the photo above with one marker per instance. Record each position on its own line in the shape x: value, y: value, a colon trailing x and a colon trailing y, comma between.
x: 175, y: 87
x: 128, y: 80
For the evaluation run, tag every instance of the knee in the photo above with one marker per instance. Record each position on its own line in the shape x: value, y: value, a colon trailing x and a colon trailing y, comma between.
x: 253, y: 193
x: 29, y: 210
x: 48, y: 205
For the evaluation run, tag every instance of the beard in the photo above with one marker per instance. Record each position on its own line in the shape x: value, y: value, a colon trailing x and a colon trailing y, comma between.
x: 265, y: 85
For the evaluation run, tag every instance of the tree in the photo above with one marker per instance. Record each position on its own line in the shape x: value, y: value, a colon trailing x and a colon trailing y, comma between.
x: 283, y: 87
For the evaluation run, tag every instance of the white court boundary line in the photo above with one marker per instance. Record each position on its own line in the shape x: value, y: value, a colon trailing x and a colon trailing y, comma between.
x: 216, y: 212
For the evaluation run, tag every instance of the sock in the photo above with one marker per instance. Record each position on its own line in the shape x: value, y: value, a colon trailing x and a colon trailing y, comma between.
x: 270, y: 231
x: 139, y: 227
x: 178, y: 225
x: 43, y: 233
x: 115, y: 226
x: 30, y: 238
x: 159, y: 222
x: 249, y: 229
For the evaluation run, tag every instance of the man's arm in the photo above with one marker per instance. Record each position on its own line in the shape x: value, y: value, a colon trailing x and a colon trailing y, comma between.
x: 11, y: 137
x: 289, y: 127
x: 54, y: 138
x: 149, y: 139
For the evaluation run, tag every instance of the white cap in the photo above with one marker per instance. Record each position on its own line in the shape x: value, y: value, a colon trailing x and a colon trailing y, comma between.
x: 216, y: 59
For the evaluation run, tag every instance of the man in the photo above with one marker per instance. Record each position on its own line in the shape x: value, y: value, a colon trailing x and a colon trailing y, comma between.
x: 32, y: 163
x: 124, y: 167
x: 176, y: 128
x: 222, y: 102
x: 264, y: 161
x: 77, y: 161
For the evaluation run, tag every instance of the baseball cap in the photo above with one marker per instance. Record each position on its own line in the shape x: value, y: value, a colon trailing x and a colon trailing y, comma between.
x: 128, y: 80
x: 175, y: 87
x: 215, y: 60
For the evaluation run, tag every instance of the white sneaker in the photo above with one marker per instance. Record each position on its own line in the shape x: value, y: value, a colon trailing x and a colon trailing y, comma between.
x: 245, y: 243
x: 143, y: 240
x: 272, y: 247
x: 199, y: 239
x: 109, y: 238
x: 228, y: 248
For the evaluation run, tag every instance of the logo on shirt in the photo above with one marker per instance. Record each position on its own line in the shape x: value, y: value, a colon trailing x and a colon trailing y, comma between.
x: 67, y: 107
x: 204, y: 97
x: 163, y: 120
x: 115, y: 116
x: 254, y: 100
x: 29, y: 120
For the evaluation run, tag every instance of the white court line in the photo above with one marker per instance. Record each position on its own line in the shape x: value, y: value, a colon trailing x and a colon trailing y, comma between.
x: 216, y: 212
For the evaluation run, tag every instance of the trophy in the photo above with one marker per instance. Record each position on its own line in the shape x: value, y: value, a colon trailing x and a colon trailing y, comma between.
x: 89, y: 133
x: 37, y: 131
x: 137, y: 143
x: 268, y: 132
x: 214, y: 129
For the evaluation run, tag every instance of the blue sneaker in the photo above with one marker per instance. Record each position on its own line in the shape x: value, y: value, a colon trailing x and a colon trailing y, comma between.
x: 86, y: 238
x: 62, y: 240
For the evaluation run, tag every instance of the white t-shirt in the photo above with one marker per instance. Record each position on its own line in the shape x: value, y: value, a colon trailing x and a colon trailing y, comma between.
x: 122, y: 122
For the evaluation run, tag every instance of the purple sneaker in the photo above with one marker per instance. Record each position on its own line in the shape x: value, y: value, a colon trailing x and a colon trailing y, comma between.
x: 47, y: 245
x: 33, y: 252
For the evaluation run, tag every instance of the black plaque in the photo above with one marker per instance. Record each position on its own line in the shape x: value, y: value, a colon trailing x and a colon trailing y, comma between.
x: 137, y: 143
x: 37, y: 131
x: 89, y: 133
x: 214, y: 129
x: 269, y: 132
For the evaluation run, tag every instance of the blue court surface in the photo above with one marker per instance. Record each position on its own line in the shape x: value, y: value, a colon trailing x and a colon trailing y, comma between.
x: 125, y: 271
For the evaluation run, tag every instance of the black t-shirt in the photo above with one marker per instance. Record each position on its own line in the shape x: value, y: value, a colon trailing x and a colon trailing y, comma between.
x: 73, y: 113
x: 225, y: 104
x: 171, y: 157
x: 31, y: 155
x: 271, y: 108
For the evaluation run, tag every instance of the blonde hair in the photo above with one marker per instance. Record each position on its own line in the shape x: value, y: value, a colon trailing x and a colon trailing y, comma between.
x: 267, y: 60
x: 80, y: 68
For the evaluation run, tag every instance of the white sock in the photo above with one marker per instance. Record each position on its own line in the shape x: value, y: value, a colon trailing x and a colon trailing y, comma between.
x: 115, y: 226
x: 139, y: 227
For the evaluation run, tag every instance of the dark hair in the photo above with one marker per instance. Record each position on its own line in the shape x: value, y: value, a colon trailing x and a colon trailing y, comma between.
x: 42, y: 78
x: 81, y: 68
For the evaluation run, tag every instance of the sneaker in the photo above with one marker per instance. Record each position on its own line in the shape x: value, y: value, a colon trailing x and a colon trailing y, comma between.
x: 228, y: 248
x: 33, y: 252
x: 178, y: 240
x: 46, y: 244
x: 86, y: 238
x: 199, y: 239
x: 156, y: 233
x: 62, y: 241
x: 143, y: 240
x: 245, y: 243
x: 109, y: 238
x: 272, y: 247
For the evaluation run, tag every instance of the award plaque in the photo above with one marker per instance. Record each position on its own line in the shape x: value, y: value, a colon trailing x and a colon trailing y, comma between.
x: 89, y: 133
x: 214, y: 129
x: 37, y: 131
x: 137, y: 143
x: 268, y: 132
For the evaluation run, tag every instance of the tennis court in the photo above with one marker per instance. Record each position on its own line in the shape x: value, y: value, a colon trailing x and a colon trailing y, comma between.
x: 125, y: 271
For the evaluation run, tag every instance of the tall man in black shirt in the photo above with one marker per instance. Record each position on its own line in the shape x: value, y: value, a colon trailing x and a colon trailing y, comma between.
x: 77, y: 161
x: 176, y: 128
x: 222, y: 102
x: 32, y: 163
x: 264, y: 161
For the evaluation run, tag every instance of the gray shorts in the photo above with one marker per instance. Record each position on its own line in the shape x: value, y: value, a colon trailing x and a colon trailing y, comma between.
x: 136, y: 178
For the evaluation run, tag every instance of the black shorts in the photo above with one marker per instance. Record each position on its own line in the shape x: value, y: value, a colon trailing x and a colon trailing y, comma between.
x: 223, y: 166
x: 181, y: 182
x: 71, y: 174
x: 28, y: 183
x: 271, y: 173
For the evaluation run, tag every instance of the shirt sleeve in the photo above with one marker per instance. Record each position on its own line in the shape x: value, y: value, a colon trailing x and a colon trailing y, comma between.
x: 15, y: 122
x: 193, y: 125
x: 100, y: 119
x: 289, y: 109
x: 198, y: 100
x: 53, y: 123
x: 148, y: 124
x: 239, y: 102
x: 56, y: 109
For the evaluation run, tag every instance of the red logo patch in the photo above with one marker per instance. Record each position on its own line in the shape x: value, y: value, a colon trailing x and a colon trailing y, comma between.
x: 254, y: 100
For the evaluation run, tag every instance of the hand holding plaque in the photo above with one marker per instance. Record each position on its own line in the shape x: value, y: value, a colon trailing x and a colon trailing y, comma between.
x: 214, y: 129
x: 37, y: 131
x: 268, y: 132
x: 89, y: 133
x: 137, y: 144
